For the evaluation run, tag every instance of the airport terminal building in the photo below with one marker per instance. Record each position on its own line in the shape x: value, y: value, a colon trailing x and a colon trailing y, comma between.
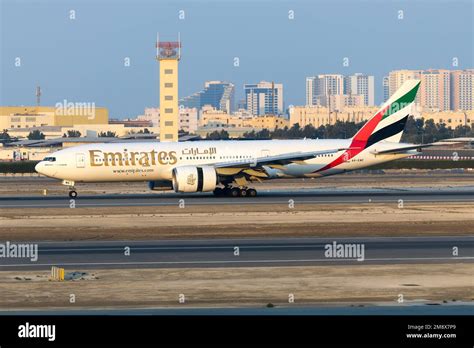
x: 63, y: 115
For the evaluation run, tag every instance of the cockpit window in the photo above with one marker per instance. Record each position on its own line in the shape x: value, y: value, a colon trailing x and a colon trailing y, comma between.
x: 50, y: 159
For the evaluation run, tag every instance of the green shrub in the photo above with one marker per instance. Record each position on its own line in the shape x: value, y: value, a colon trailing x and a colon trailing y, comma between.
x: 18, y: 167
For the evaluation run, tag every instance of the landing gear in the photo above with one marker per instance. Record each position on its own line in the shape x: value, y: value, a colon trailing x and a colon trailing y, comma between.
x: 251, y: 192
x: 230, y: 191
x: 72, y: 189
x: 234, y: 192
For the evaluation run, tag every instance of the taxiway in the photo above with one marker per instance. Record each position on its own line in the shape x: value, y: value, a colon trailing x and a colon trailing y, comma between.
x: 243, y: 252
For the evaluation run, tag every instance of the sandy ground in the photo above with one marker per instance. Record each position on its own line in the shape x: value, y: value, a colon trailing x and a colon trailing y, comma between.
x: 145, y: 223
x: 241, y: 286
x: 258, y: 286
x: 211, y: 221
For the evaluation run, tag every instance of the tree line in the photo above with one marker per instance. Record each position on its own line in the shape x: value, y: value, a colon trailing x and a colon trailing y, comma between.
x: 416, y: 131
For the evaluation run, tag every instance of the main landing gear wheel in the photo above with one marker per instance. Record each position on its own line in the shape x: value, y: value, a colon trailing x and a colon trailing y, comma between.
x: 251, y: 192
x: 72, y: 194
x: 235, y: 192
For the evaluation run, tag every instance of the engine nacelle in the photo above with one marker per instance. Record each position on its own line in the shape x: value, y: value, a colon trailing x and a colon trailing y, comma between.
x: 194, y: 179
x: 160, y: 185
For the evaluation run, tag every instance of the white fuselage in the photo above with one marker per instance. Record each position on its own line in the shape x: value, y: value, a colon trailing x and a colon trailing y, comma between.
x: 149, y: 161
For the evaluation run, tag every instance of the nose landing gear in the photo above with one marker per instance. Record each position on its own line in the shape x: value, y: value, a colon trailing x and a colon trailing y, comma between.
x: 72, y: 189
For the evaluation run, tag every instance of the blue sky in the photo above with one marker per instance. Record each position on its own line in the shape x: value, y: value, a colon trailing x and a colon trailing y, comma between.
x: 82, y: 60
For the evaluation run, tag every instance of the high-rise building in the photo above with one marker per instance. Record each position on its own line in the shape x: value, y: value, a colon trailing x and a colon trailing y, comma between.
x: 169, y: 54
x: 264, y: 98
x: 396, y: 79
x: 339, y: 102
x: 330, y: 84
x: 435, y: 90
x: 462, y: 90
x: 360, y: 84
x: 310, y: 91
x: 240, y: 104
x: 386, y: 93
x: 319, y: 87
x: 440, y: 89
x: 218, y: 94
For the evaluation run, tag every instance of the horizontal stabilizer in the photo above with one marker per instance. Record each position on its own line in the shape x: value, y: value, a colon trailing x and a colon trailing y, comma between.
x: 421, y: 146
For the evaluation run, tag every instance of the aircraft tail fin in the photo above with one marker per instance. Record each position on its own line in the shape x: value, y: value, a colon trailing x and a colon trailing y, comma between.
x: 389, y: 121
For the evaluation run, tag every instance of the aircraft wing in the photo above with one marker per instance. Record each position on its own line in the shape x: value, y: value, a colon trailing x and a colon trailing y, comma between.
x: 418, y: 147
x: 291, y: 157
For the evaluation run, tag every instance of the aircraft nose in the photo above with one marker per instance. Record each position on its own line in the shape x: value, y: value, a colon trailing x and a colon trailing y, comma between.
x: 40, y: 167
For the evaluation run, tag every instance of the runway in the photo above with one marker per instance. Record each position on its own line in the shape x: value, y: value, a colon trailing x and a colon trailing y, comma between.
x: 429, y: 308
x: 299, y: 196
x: 242, y: 253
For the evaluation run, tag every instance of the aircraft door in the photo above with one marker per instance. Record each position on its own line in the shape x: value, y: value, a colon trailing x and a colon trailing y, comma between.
x: 80, y: 160
x: 264, y: 153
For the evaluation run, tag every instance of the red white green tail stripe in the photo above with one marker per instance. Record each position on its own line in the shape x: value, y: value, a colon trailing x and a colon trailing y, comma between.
x: 389, y: 121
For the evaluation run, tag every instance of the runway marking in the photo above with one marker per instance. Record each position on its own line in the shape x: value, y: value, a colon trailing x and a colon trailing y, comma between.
x: 230, y: 246
x: 239, y: 261
x: 217, y: 202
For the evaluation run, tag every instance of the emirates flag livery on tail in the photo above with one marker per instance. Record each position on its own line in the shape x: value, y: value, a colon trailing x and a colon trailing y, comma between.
x: 228, y: 167
x: 379, y: 127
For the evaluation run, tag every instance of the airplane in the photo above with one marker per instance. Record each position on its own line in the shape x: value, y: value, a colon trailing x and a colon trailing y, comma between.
x: 227, y: 167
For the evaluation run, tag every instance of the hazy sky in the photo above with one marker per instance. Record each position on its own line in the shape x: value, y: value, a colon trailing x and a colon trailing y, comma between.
x: 82, y: 59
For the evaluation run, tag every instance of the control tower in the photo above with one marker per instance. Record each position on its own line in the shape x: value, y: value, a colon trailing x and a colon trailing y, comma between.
x: 168, y: 53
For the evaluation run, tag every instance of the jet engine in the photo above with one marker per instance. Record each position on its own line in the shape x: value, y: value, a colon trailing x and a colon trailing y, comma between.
x: 194, y: 179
